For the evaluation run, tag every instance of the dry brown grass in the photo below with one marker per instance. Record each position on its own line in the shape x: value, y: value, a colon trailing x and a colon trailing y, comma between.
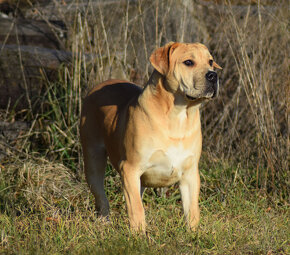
x: 41, y: 186
x: 253, y: 120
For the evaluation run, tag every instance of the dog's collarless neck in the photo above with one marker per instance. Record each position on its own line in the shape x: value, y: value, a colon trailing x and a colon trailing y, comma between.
x: 157, y: 98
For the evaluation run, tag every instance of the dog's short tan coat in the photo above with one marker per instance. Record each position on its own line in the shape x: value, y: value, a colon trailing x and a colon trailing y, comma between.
x: 152, y: 135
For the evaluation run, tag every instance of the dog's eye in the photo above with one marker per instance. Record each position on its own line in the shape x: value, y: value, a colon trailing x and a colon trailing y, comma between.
x: 188, y: 62
x: 210, y: 62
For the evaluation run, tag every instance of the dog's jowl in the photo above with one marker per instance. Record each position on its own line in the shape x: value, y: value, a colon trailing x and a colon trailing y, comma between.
x: 151, y: 135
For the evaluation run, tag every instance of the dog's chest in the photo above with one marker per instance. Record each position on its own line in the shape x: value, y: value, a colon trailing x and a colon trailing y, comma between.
x: 163, y: 167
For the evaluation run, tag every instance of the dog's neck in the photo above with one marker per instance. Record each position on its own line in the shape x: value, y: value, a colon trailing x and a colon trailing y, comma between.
x: 162, y: 96
x: 161, y: 104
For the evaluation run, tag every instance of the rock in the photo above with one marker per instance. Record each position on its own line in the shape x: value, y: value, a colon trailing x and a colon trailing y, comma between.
x: 19, y: 7
x: 32, y: 32
x: 22, y: 72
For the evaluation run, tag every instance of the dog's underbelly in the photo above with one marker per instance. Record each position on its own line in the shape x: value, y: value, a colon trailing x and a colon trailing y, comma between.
x: 166, y: 167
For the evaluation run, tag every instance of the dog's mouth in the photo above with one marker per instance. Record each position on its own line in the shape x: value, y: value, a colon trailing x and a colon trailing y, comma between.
x: 210, y: 92
x: 208, y: 95
x: 191, y: 98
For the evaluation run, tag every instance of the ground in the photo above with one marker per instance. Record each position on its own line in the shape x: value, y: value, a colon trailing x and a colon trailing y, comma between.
x: 45, y: 209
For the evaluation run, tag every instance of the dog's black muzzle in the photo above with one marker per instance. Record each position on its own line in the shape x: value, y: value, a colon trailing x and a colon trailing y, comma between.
x: 213, y: 83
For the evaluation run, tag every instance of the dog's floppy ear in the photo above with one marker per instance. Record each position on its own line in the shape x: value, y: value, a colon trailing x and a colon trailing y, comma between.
x: 216, y: 65
x: 160, y: 58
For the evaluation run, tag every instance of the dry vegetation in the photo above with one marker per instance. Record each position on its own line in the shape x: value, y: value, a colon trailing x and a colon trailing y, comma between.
x: 245, y: 131
x: 247, y: 124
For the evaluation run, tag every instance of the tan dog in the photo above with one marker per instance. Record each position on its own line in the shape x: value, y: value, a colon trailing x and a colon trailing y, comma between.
x: 152, y: 136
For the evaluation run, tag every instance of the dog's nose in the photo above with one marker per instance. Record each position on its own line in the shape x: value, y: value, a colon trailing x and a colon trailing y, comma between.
x: 211, y: 76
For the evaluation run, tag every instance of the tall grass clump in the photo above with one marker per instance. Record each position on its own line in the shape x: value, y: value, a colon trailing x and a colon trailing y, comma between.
x: 252, y: 126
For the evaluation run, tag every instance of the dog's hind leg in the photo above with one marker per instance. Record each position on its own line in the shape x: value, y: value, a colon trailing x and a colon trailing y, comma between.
x: 95, y: 161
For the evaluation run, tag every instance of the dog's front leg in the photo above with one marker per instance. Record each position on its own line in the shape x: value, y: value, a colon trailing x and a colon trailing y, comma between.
x: 132, y: 186
x: 189, y: 188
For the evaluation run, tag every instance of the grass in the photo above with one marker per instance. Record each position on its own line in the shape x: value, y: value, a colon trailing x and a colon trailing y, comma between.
x: 45, y: 209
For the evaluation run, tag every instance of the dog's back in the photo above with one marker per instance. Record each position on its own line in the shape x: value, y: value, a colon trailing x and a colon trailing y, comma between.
x: 112, y: 92
x: 107, y: 99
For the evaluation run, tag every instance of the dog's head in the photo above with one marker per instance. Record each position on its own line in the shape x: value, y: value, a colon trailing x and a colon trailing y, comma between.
x: 188, y: 69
